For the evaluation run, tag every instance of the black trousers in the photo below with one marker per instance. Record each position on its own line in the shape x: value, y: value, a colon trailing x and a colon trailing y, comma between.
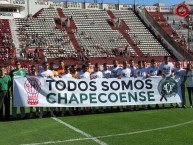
x: 183, y: 95
x: 6, y: 104
x: 190, y: 92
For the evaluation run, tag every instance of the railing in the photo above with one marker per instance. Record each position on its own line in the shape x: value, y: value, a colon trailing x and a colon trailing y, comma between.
x: 174, y: 46
x: 15, y: 36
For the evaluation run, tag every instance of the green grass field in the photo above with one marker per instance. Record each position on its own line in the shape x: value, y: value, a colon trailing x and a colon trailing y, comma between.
x: 171, y: 126
x: 147, y: 127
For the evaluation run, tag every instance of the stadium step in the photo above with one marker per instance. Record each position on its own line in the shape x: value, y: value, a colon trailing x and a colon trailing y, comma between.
x: 15, y: 37
x: 60, y: 13
x: 70, y: 29
x: 122, y: 30
x: 38, y: 13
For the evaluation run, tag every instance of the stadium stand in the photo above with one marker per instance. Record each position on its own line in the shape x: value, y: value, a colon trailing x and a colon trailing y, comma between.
x: 7, y: 47
x: 167, y: 25
x: 180, y: 27
x: 144, y: 40
x: 94, y: 35
x: 42, y: 32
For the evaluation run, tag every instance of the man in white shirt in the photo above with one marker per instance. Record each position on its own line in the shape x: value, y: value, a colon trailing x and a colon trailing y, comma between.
x: 97, y: 73
x: 152, y: 70
x: 166, y: 68
x: 179, y: 75
x: 144, y: 63
x: 140, y: 71
x: 84, y: 74
x: 114, y: 69
x: 125, y: 72
x: 45, y: 72
x: 106, y: 74
x: 132, y: 67
x: 105, y: 71
x: 67, y: 73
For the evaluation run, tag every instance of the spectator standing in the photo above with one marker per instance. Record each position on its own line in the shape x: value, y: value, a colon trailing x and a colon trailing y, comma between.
x: 189, y: 82
x: 5, y: 82
x: 18, y: 71
x: 179, y: 75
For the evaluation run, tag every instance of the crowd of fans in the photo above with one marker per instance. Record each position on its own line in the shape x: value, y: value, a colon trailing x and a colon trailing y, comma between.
x: 7, y: 47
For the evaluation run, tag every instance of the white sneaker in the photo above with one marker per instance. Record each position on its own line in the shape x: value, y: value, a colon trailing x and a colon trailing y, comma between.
x: 190, y: 106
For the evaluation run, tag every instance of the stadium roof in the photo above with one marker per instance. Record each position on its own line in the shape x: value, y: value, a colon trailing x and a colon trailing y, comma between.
x: 141, y: 2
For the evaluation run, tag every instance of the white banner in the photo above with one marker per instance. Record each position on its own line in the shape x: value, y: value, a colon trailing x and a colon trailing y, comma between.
x: 63, y: 92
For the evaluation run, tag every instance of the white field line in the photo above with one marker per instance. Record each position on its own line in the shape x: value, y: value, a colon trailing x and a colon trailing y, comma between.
x: 111, y: 135
x: 79, y: 131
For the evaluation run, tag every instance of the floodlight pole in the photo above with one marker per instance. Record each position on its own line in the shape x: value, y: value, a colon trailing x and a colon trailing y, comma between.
x: 28, y: 8
x: 118, y: 4
x: 189, y: 32
x: 134, y: 5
